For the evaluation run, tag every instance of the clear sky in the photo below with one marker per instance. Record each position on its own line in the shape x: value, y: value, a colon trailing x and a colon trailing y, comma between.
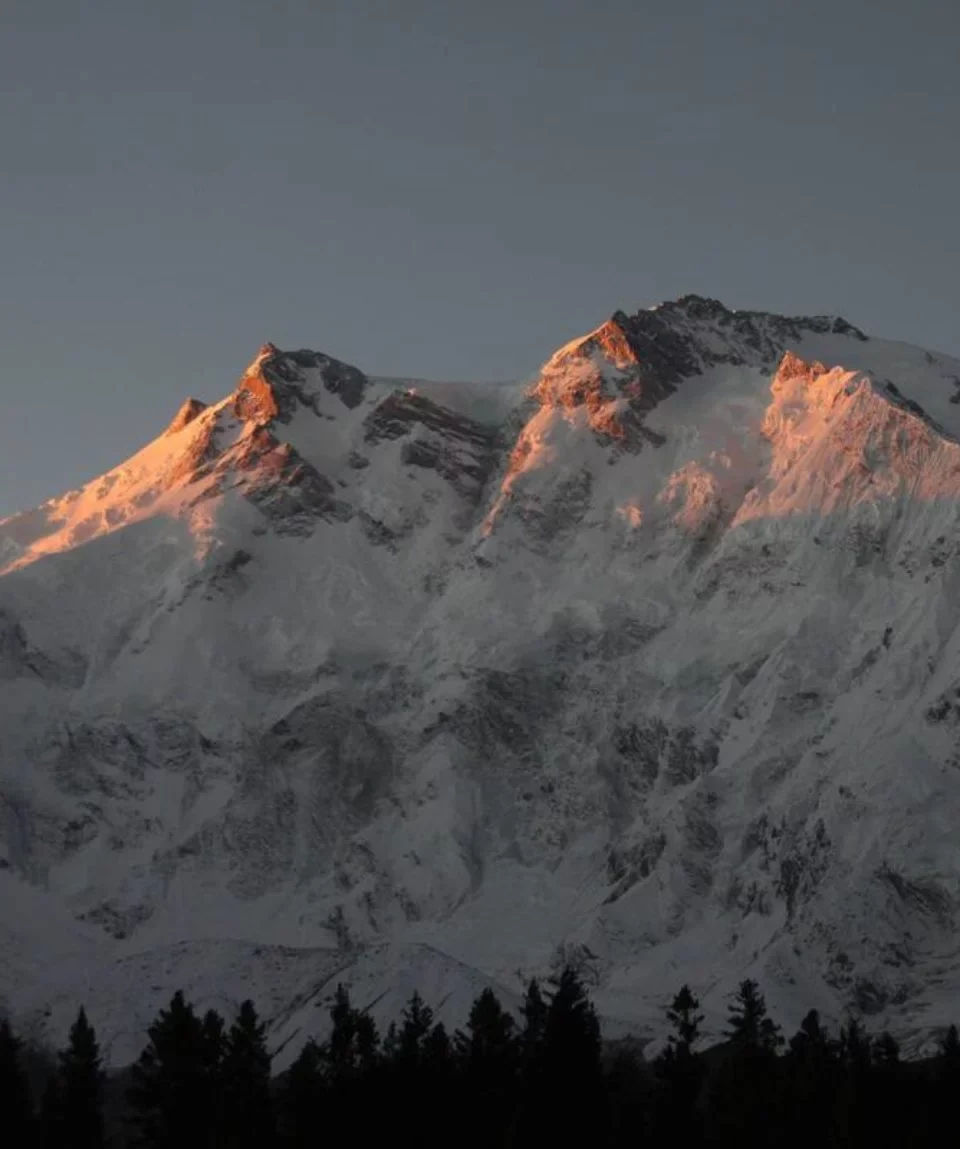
x: 445, y: 188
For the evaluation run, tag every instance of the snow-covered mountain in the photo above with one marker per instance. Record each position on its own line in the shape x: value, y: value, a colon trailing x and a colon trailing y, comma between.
x: 655, y: 660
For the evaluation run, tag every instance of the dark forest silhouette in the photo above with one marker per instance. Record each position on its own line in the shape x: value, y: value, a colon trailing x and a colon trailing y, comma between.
x: 542, y: 1079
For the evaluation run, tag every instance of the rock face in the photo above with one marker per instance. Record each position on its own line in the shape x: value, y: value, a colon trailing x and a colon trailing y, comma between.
x: 341, y: 679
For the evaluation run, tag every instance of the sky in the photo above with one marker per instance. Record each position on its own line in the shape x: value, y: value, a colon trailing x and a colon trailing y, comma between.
x: 443, y: 188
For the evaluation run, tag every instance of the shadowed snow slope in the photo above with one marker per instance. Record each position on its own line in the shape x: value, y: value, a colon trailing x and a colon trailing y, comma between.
x: 655, y: 660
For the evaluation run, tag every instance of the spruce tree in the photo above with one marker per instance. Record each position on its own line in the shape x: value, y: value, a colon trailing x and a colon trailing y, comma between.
x: 301, y: 1099
x: 749, y: 1029
x: 630, y: 1093
x: 416, y: 1023
x: 73, y: 1103
x: 890, y: 1096
x: 855, y: 1047
x: 854, y: 1102
x: 438, y: 1054
x: 341, y: 1048
x: 569, y: 1096
x: 810, y: 1087
x: 680, y: 1073
x: 247, y: 1121
x: 945, y: 1083
x: 948, y: 1049
x: 351, y: 1067
x: 406, y: 1083
x: 534, y: 1014
x: 17, y: 1116
x: 489, y: 1041
x: 174, y: 1092
x: 685, y: 1019
x: 366, y: 1044
x: 742, y: 1097
x: 487, y: 1053
x: 49, y: 1124
x: 391, y: 1044
x: 811, y: 1042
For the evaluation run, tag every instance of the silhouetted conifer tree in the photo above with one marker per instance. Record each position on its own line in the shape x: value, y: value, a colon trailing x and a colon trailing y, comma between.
x: 72, y: 1108
x: 567, y: 1095
x: 174, y: 1088
x: 889, y: 1100
x: 945, y: 1081
x: 489, y: 1042
x: 415, y: 1026
x: 630, y: 1094
x: 853, y: 1110
x: 680, y: 1073
x: 340, y: 1051
x: 247, y: 1120
x: 534, y: 1014
x: 685, y: 1020
x: 438, y: 1055
x: 488, y: 1056
x: 810, y: 1085
x: 949, y: 1047
x: 749, y: 1029
x: 17, y: 1124
x: 301, y: 1099
x: 743, y: 1094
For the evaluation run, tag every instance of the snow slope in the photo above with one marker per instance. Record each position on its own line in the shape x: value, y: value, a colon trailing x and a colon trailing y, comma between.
x: 654, y: 661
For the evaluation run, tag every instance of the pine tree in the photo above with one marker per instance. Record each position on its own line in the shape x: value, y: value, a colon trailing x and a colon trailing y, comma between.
x: 391, y: 1043
x: 366, y: 1043
x: 748, y: 1026
x: 489, y: 1039
x: 854, y: 1102
x: 811, y: 1042
x: 685, y: 1018
x: 570, y: 1100
x: 49, y: 1122
x: 72, y: 1110
x: 16, y: 1118
x: 301, y: 1099
x: 949, y: 1046
x: 810, y: 1088
x: 406, y: 1083
x: 742, y: 1099
x: 886, y: 1052
x: 889, y: 1096
x: 945, y: 1083
x: 438, y: 1054
x: 415, y: 1025
x: 855, y: 1047
x: 630, y: 1092
x: 487, y: 1053
x: 680, y: 1074
x: 341, y: 1050
x: 534, y: 1014
x: 174, y: 1091
x: 248, y: 1121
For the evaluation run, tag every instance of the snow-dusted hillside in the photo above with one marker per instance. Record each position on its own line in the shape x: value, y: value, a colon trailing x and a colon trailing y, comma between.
x: 412, y: 684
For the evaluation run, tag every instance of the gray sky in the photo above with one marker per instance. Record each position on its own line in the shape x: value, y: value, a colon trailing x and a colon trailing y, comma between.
x: 446, y: 188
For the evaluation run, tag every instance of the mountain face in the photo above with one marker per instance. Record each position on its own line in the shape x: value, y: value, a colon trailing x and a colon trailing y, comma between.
x: 655, y: 661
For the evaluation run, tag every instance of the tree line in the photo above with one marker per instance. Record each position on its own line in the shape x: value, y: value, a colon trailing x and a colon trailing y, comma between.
x: 542, y: 1079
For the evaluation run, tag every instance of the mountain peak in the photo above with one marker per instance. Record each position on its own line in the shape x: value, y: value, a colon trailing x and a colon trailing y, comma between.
x: 704, y: 309
x: 189, y: 411
x: 694, y: 594
x: 277, y: 382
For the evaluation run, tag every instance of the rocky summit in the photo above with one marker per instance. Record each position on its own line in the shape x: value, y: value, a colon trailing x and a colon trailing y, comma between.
x: 653, y: 661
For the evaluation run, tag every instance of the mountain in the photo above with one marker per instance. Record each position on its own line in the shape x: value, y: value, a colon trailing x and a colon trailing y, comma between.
x: 654, y: 661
